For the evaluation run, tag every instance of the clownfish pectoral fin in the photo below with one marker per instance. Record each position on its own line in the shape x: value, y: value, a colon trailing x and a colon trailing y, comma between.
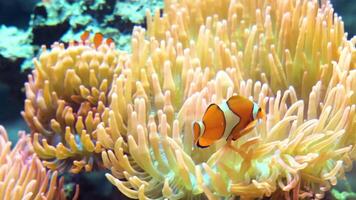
x: 85, y: 36
x: 98, y: 39
x: 246, y: 130
x: 204, y: 142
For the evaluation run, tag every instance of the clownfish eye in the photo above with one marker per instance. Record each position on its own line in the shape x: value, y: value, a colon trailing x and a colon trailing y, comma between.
x: 259, y: 110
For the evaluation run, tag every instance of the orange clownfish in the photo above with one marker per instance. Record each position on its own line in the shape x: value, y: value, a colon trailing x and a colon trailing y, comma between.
x: 97, y: 40
x: 230, y: 120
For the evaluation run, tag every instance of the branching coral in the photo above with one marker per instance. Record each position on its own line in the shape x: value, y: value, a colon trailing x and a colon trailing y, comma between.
x: 22, y: 175
x: 66, y: 100
x: 299, y: 68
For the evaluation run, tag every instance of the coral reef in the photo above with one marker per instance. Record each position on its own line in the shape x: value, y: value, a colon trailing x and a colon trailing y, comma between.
x: 15, y: 46
x: 22, y: 175
x: 93, y: 107
x: 291, y: 57
x: 61, y: 20
x: 14, y: 50
x: 64, y: 19
x: 67, y: 97
x: 129, y: 114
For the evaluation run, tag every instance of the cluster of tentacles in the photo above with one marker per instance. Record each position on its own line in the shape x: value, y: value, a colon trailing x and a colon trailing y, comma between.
x: 22, y: 175
x: 94, y: 107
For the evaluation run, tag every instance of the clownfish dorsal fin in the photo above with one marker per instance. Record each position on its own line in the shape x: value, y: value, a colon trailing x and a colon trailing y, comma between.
x: 85, y: 36
x: 241, y: 106
x: 98, y: 39
x: 238, y: 98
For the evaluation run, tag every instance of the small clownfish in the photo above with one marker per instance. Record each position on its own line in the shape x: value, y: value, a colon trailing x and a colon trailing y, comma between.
x: 85, y: 35
x: 97, y: 40
x: 231, y: 120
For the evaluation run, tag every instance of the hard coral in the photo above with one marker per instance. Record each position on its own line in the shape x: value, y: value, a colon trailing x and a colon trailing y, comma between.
x: 289, y: 56
x: 22, y: 175
x: 67, y: 97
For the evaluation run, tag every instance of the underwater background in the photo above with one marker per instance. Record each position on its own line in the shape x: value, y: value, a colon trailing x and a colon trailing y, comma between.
x: 25, y: 25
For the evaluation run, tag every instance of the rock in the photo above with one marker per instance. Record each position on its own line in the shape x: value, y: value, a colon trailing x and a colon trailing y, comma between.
x: 16, y: 12
x: 65, y: 20
x: 13, y: 51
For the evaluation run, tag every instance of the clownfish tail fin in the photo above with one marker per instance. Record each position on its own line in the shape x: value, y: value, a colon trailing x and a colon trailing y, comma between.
x: 196, y: 131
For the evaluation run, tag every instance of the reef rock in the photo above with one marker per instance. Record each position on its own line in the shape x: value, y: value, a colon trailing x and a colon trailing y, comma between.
x: 14, y: 50
x: 65, y: 20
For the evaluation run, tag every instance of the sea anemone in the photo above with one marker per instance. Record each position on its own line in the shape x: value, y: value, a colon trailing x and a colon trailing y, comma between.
x: 22, y: 175
x: 292, y: 57
x: 67, y: 97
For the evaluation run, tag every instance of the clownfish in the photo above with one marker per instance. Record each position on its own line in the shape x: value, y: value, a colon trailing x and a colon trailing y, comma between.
x: 230, y: 119
x: 97, y: 40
